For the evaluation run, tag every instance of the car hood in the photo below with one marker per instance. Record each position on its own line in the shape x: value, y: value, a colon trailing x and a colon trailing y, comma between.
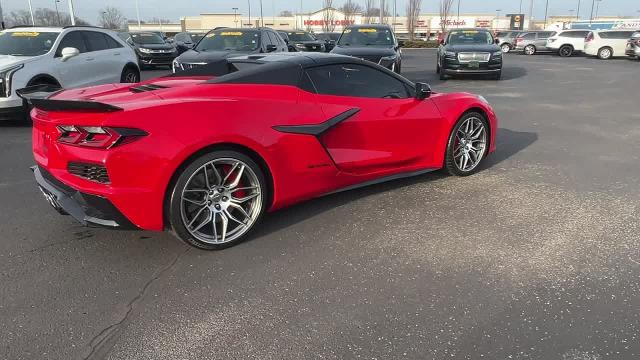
x: 155, y: 46
x: 473, y: 48
x: 193, y: 56
x: 363, y: 51
x: 7, y: 61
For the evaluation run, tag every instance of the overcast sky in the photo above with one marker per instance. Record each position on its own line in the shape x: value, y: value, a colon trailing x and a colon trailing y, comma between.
x: 174, y: 9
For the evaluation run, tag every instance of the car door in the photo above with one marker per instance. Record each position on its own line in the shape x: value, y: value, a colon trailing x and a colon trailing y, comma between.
x: 619, y: 40
x: 577, y: 39
x: 105, y: 58
x: 77, y: 71
x: 541, y: 40
x: 387, y: 129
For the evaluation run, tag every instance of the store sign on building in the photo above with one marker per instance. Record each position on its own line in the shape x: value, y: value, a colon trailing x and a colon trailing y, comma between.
x: 516, y: 21
x: 330, y: 22
x: 483, y: 23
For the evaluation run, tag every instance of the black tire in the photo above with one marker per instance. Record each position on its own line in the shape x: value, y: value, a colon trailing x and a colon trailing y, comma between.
x: 449, y: 161
x: 437, y: 68
x: 498, y: 76
x: 530, y: 50
x: 130, y: 75
x: 174, y: 214
x: 605, y: 53
x: 443, y: 75
x: 399, y: 68
x: 565, y: 51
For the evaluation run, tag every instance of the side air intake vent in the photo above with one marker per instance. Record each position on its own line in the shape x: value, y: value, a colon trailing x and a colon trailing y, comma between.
x: 93, y: 172
x: 147, y: 87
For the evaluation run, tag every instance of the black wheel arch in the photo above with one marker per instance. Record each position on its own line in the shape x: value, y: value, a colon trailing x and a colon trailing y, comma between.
x: 217, y: 147
x: 43, y: 79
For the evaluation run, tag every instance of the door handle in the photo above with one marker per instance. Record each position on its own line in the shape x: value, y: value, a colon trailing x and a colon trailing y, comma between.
x: 116, y: 54
x: 90, y: 59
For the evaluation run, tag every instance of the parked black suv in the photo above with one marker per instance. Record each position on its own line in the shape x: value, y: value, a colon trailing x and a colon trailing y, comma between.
x: 299, y: 40
x: 152, y: 50
x: 375, y: 43
x: 228, y: 42
x: 469, y: 51
x: 186, y: 40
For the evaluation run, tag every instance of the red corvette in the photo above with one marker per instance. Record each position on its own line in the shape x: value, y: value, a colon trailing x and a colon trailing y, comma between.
x: 206, y: 153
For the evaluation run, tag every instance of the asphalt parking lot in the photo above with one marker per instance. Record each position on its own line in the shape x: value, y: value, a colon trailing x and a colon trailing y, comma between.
x: 535, y: 257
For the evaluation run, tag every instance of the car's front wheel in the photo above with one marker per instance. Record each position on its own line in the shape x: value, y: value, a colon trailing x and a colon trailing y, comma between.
x: 217, y: 200
x: 505, y: 48
x: 605, y: 53
x: 566, y: 51
x: 130, y: 75
x: 467, y: 144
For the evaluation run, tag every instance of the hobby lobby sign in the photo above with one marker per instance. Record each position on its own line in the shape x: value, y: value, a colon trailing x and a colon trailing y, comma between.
x: 330, y: 22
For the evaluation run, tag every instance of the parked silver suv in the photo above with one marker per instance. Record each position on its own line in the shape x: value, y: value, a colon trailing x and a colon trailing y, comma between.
x: 533, y: 42
x: 507, y: 40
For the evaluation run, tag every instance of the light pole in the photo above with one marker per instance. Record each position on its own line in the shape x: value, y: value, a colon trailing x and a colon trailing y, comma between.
x: 497, y: 18
x: 235, y: 16
x: 33, y: 21
x: 593, y: 4
x: 458, y: 10
x: 546, y: 13
x: 1, y: 18
x: 57, y: 12
x: 578, y: 11
x: 261, y: 15
x: 249, y: 3
x: 597, y: 7
x: 520, y: 11
x: 138, y: 15
x: 72, y: 14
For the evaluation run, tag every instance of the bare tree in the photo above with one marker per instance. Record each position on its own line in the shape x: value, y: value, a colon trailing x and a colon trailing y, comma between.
x: 370, y: 11
x: 48, y: 17
x: 384, y: 12
x: 286, y: 13
x: 17, y: 18
x: 157, y: 20
x: 445, y: 11
x: 413, y: 14
x: 350, y: 9
x: 328, y: 16
x: 111, y: 18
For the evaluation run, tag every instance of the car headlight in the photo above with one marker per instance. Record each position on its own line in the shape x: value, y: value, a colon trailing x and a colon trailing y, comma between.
x: 6, y: 76
x: 497, y: 54
x: 389, y: 58
x: 450, y: 54
x: 145, y: 50
x: 300, y: 46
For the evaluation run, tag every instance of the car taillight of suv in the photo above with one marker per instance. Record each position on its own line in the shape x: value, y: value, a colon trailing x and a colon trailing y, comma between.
x: 589, y: 37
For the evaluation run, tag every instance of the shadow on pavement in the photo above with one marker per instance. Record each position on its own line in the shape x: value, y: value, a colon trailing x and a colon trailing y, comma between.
x: 509, y: 143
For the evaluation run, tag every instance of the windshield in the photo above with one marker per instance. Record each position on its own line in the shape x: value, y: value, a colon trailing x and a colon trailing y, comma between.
x: 470, y: 37
x: 26, y: 43
x: 300, y: 36
x: 147, y: 38
x: 196, y: 37
x: 366, y: 37
x: 230, y: 40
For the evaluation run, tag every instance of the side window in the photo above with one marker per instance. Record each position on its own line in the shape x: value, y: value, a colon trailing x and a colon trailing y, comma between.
x: 357, y: 81
x: 580, y: 34
x: 529, y: 36
x: 266, y: 40
x: 72, y: 39
x: 95, y: 41
x: 113, y: 44
x: 274, y: 38
x: 626, y: 35
x: 605, y: 35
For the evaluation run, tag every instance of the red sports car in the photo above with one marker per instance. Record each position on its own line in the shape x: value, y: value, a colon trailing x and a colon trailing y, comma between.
x: 204, y: 154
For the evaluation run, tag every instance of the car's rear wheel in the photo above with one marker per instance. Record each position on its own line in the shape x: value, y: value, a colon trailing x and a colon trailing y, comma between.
x: 529, y: 50
x: 566, y: 51
x: 467, y: 144
x: 605, y: 53
x: 505, y: 48
x: 217, y: 200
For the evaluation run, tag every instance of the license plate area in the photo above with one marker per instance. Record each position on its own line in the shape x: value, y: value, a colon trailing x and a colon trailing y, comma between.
x: 473, y: 65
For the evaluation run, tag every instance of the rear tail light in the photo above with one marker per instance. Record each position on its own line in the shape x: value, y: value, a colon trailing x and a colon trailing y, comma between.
x: 518, y: 40
x: 96, y: 136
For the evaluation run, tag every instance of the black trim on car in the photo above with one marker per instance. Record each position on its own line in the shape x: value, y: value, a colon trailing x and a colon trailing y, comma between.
x: 317, y: 129
x: 72, y: 105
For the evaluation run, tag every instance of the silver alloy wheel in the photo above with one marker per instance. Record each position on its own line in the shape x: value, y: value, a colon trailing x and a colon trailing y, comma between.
x: 470, y: 144
x: 505, y: 48
x: 529, y: 50
x: 605, y: 53
x: 131, y: 77
x: 221, y: 201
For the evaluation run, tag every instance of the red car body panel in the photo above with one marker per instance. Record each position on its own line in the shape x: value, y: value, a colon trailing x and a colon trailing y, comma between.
x: 386, y: 137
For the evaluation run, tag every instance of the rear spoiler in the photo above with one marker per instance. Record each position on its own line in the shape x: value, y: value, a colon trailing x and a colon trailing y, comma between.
x: 39, y: 97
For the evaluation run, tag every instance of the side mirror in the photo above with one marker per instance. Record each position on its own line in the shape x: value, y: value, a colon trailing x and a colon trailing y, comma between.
x: 497, y: 41
x: 271, y: 48
x: 69, y: 52
x: 423, y: 91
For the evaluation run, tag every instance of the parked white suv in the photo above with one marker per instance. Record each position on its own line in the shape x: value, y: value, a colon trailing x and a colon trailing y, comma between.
x: 568, y: 42
x: 607, y: 43
x: 66, y: 57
